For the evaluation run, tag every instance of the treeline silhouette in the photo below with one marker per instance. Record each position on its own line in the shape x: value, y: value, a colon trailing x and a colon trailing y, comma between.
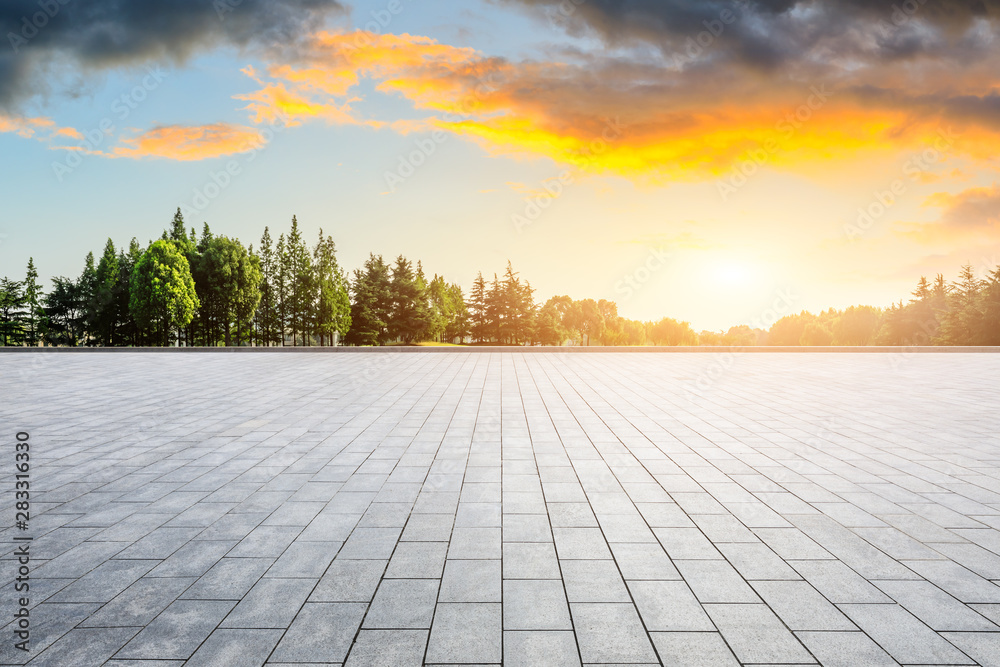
x: 210, y: 290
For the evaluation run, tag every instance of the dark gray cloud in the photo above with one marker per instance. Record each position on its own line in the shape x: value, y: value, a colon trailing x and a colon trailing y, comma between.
x: 102, y: 33
x: 772, y: 33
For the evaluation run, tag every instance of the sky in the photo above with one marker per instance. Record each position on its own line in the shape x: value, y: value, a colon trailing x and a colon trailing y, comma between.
x: 721, y: 162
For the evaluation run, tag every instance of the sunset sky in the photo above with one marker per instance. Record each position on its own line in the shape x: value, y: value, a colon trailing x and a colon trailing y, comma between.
x: 716, y: 154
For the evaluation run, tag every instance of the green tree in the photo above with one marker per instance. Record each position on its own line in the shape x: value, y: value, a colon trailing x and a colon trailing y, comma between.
x: 479, y: 324
x: 333, y: 308
x: 268, y: 316
x: 64, y: 309
x: 87, y: 284
x: 34, y: 316
x: 228, y: 288
x: 301, y: 286
x: 12, y: 312
x: 371, y: 303
x: 129, y: 331
x: 283, y: 278
x: 105, y: 321
x: 410, y: 318
x: 162, y: 294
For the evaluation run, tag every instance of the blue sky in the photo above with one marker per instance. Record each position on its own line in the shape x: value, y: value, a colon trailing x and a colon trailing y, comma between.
x: 663, y: 188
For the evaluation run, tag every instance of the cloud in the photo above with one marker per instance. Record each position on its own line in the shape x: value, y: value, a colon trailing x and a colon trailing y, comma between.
x: 970, y: 214
x: 621, y: 116
x: 90, y: 34
x: 770, y: 34
x: 25, y: 127
x: 40, y: 128
x: 187, y: 143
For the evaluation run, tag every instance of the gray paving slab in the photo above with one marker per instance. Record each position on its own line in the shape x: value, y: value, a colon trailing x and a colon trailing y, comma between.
x: 509, y: 508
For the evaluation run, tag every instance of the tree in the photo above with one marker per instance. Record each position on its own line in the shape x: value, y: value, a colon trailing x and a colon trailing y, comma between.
x: 34, y: 316
x: 129, y: 332
x: 12, y: 303
x: 301, y: 295
x: 789, y: 329
x: 590, y: 322
x: 370, y: 304
x: 283, y: 273
x: 990, y: 333
x: 549, y: 329
x: 857, y: 325
x: 962, y: 321
x: 228, y: 286
x: 816, y: 333
x: 64, y: 310
x: 479, y: 324
x: 410, y: 316
x: 162, y: 294
x: 333, y: 308
x: 87, y: 285
x: 670, y: 332
x: 268, y: 317
x: 104, y: 323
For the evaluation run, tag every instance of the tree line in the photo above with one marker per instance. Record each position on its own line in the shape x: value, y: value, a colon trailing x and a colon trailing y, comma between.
x: 211, y: 290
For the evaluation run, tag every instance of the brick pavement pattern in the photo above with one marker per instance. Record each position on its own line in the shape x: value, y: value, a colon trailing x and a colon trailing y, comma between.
x: 507, y: 508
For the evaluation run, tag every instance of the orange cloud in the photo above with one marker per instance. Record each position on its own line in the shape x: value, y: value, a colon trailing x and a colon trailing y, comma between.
x: 36, y: 128
x: 640, y: 121
x: 187, y: 143
x: 970, y: 214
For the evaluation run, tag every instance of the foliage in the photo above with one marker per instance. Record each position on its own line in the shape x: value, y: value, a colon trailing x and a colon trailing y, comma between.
x: 162, y: 291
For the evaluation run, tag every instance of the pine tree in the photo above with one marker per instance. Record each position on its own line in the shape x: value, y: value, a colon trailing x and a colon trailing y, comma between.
x: 267, y: 313
x: 371, y: 303
x: 410, y: 317
x: 333, y: 308
x: 283, y: 278
x: 302, y: 289
x: 87, y: 285
x: 105, y: 279
x: 962, y: 322
x: 478, y: 323
x: 128, y: 331
x: 34, y: 317
x: 12, y: 309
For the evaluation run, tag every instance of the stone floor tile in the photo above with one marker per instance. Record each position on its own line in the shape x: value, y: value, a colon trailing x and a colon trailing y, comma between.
x: 465, y: 633
x: 322, y: 632
x: 756, y: 635
x: 693, y: 649
x: 610, y: 634
x: 535, y: 605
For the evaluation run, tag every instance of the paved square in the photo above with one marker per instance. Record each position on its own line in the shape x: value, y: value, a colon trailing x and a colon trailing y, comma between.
x: 508, y: 508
